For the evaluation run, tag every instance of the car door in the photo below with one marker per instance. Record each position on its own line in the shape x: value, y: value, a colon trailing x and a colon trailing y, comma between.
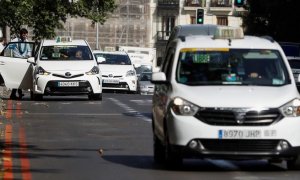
x: 15, y: 70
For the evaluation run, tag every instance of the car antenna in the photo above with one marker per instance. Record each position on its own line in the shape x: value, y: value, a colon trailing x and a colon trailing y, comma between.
x: 229, y: 42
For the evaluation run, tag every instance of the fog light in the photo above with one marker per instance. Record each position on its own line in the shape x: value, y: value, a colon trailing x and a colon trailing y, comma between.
x: 282, y: 145
x: 193, y: 144
x: 48, y: 89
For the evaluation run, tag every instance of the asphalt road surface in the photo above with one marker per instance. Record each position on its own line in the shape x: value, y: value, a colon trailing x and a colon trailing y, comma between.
x: 73, y: 138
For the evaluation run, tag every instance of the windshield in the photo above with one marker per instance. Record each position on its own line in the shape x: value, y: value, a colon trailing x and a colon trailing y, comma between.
x: 145, y: 77
x: 231, y: 67
x: 143, y: 68
x: 294, y: 63
x: 66, y: 53
x: 115, y: 59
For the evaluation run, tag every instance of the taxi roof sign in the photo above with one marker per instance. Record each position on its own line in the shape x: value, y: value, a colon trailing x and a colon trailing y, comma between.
x: 229, y: 33
x: 63, y: 39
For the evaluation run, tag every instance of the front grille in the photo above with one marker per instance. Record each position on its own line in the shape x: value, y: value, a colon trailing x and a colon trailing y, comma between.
x: 53, y: 88
x: 120, y: 85
x: 228, y: 145
x: 106, y: 76
x: 68, y: 77
x: 238, y: 117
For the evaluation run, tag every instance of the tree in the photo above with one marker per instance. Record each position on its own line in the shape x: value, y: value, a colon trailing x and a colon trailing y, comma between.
x: 276, y: 18
x: 44, y: 16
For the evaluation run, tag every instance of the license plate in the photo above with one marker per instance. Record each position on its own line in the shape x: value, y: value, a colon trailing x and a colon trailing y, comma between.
x: 68, y: 84
x: 239, y: 134
x: 111, y: 81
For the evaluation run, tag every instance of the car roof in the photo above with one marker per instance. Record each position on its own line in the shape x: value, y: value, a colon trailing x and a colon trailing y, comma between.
x: 196, y: 29
x: 109, y: 52
x: 73, y: 42
x: 200, y: 41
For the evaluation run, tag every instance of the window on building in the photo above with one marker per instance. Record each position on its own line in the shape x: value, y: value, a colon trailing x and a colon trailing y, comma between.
x: 221, y: 20
x: 193, y: 20
x: 168, y: 24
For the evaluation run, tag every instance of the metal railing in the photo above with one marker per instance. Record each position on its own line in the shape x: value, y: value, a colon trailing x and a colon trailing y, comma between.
x: 194, y: 3
x: 220, y: 3
x: 162, y: 35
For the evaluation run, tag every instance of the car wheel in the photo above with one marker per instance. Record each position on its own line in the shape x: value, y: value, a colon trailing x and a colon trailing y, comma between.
x: 172, y: 159
x: 294, y: 164
x: 36, y: 97
x: 97, y: 96
x: 158, y: 150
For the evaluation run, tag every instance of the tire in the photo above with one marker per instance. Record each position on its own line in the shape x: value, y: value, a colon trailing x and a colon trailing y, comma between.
x: 97, y: 96
x: 36, y: 97
x: 293, y: 164
x: 158, y: 150
x: 173, y: 159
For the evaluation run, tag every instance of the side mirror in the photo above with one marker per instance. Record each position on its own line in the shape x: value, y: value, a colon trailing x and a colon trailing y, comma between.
x: 100, y: 60
x: 31, y: 60
x: 159, y: 78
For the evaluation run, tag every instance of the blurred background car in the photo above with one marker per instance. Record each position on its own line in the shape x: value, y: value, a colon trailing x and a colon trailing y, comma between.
x: 145, y: 87
x: 118, y: 72
x: 295, y: 65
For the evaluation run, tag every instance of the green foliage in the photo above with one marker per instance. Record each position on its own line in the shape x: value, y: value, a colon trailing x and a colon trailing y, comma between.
x: 44, y: 16
x: 277, y: 18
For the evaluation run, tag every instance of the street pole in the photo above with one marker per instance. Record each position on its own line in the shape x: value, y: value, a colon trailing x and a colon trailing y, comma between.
x: 97, y: 35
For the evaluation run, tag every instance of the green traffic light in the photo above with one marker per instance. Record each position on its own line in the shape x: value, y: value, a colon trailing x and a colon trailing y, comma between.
x: 200, y: 20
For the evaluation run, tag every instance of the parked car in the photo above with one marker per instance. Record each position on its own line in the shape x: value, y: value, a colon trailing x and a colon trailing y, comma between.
x: 145, y: 87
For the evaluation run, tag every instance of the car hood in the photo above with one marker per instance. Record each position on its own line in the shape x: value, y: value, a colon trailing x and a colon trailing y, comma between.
x: 115, y: 69
x: 67, y: 65
x: 241, y: 96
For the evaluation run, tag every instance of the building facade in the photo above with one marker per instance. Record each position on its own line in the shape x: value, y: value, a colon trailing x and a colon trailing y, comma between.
x: 148, y: 23
x: 166, y: 14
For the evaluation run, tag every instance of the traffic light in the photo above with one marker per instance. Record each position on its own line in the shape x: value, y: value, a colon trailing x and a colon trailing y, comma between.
x: 200, y: 16
x: 239, y: 3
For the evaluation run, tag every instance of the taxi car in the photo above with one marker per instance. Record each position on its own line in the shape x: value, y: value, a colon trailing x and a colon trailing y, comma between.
x: 226, y: 96
x: 118, y: 72
x: 58, y: 67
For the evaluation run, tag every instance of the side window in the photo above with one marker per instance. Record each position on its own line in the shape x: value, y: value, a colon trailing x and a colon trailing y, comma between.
x: 37, y: 51
x: 167, y: 66
x: 19, y: 50
x: 170, y: 60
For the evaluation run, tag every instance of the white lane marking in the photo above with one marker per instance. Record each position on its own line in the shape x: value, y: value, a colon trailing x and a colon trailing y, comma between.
x: 141, y: 102
x: 130, y: 110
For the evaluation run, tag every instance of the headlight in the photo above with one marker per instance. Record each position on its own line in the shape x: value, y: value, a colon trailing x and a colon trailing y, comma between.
x: 291, y: 109
x: 41, y: 71
x: 183, y: 107
x: 130, y: 73
x: 93, y: 71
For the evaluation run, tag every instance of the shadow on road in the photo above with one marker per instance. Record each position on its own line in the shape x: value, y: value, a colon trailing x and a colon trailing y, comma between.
x: 205, y: 165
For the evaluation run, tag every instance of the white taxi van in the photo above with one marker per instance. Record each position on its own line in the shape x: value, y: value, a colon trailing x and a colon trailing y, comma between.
x: 118, y: 72
x: 59, y: 67
x: 226, y: 96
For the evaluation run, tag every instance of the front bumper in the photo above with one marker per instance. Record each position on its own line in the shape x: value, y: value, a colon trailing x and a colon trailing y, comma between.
x: 278, y: 140
x: 86, y: 84
x: 125, y: 84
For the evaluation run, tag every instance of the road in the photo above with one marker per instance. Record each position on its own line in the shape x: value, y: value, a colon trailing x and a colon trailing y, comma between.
x: 77, y: 139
